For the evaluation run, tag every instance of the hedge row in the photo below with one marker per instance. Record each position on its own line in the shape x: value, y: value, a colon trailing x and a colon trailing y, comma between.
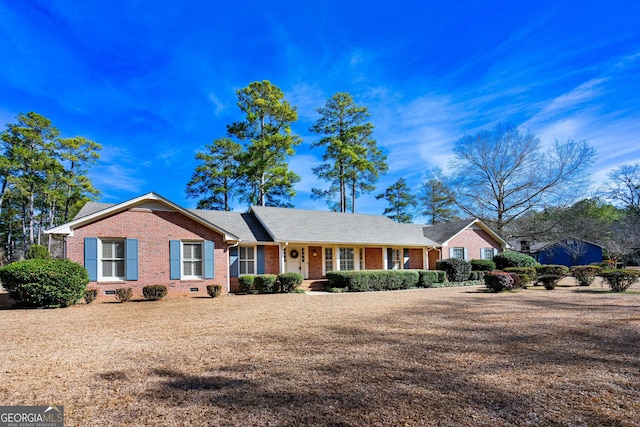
x: 270, y: 283
x: 381, y: 280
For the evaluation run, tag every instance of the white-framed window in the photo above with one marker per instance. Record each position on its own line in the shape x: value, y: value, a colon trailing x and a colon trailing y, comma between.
x: 247, y: 257
x: 457, y: 253
x: 112, y: 259
x: 346, y: 259
x: 487, y: 253
x: 362, y: 266
x: 328, y: 259
x: 192, y: 259
x: 396, y: 259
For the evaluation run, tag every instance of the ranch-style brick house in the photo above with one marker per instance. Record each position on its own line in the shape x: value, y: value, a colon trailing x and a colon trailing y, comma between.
x: 151, y: 240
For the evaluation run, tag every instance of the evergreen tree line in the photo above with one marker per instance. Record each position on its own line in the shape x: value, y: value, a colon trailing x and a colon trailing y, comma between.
x: 249, y: 165
x: 43, y: 181
x: 504, y: 176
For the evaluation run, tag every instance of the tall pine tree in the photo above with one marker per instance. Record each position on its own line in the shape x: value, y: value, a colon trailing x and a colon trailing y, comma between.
x: 352, y: 160
x: 402, y: 203
x: 268, y: 141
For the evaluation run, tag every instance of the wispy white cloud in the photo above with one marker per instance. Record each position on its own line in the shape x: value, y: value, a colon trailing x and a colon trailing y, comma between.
x: 115, y: 178
x: 218, y: 106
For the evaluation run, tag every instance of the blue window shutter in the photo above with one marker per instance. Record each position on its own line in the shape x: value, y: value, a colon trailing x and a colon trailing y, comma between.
x: 131, y: 251
x: 406, y: 258
x: 209, y: 270
x: 174, y: 259
x: 389, y: 259
x: 260, y: 259
x: 234, y: 265
x: 91, y: 257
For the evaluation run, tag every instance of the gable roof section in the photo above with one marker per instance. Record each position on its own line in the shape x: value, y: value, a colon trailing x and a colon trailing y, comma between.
x: 92, y: 207
x: 442, y: 233
x: 307, y: 226
x: 244, y: 225
x: 97, y: 211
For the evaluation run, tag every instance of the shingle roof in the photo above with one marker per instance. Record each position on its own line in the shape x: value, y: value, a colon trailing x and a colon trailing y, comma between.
x: 297, y: 225
x: 92, y: 207
x: 269, y: 224
x: 242, y: 224
x: 440, y: 233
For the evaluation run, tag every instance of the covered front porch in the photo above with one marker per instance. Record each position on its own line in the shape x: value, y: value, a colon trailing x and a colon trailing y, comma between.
x: 313, y: 261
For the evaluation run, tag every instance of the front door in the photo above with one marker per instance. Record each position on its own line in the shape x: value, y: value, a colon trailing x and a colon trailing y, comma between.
x: 294, y: 259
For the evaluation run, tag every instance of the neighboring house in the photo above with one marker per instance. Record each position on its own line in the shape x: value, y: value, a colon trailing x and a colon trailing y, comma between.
x: 151, y: 240
x: 567, y: 252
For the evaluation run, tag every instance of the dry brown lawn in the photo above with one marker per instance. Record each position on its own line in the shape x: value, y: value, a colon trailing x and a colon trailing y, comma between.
x: 445, y: 357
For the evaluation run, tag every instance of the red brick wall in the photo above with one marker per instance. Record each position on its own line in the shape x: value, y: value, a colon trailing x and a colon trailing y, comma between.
x: 315, y: 262
x: 153, y: 229
x: 415, y: 259
x: 373, y: 259
x: 473, y: 240
x: 434, y: 256
x: 272, y: 260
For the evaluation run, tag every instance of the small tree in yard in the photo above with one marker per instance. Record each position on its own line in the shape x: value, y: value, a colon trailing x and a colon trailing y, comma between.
x: 620, y: 280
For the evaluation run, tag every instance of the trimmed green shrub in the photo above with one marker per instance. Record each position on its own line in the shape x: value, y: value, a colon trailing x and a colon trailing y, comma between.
x: 516, y: 280
x: 482, y: 265
x: 620, y: 280
x: 214, y: 290
x: 442, y: 276
x: 90, y: 295
x: 265, y: 283
x: 550, y: 274
x: 554, y: 269
x: 154, y: 292
x: 290, y: 281
x: 246, y: 283
x: 124, y: 294
x: 513, y: 259
x: 45, y: 282
x: 426, y: 278
x: 549, y: 281
x: 499, y: 280
x: 36, y: 251
x: 457, y: 284
x: 526, y: 275
x: 477, y: 275
x: 337, y: 279
x: 373, y: 280
x: 457, y: 269
x: 585, y: 274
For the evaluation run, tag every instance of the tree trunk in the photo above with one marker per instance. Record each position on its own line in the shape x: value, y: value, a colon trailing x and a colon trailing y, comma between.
x: 353, y: 197
x: 343, y: 189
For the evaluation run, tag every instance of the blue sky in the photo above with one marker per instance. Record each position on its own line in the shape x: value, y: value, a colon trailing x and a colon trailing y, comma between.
x: 153, y: 82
